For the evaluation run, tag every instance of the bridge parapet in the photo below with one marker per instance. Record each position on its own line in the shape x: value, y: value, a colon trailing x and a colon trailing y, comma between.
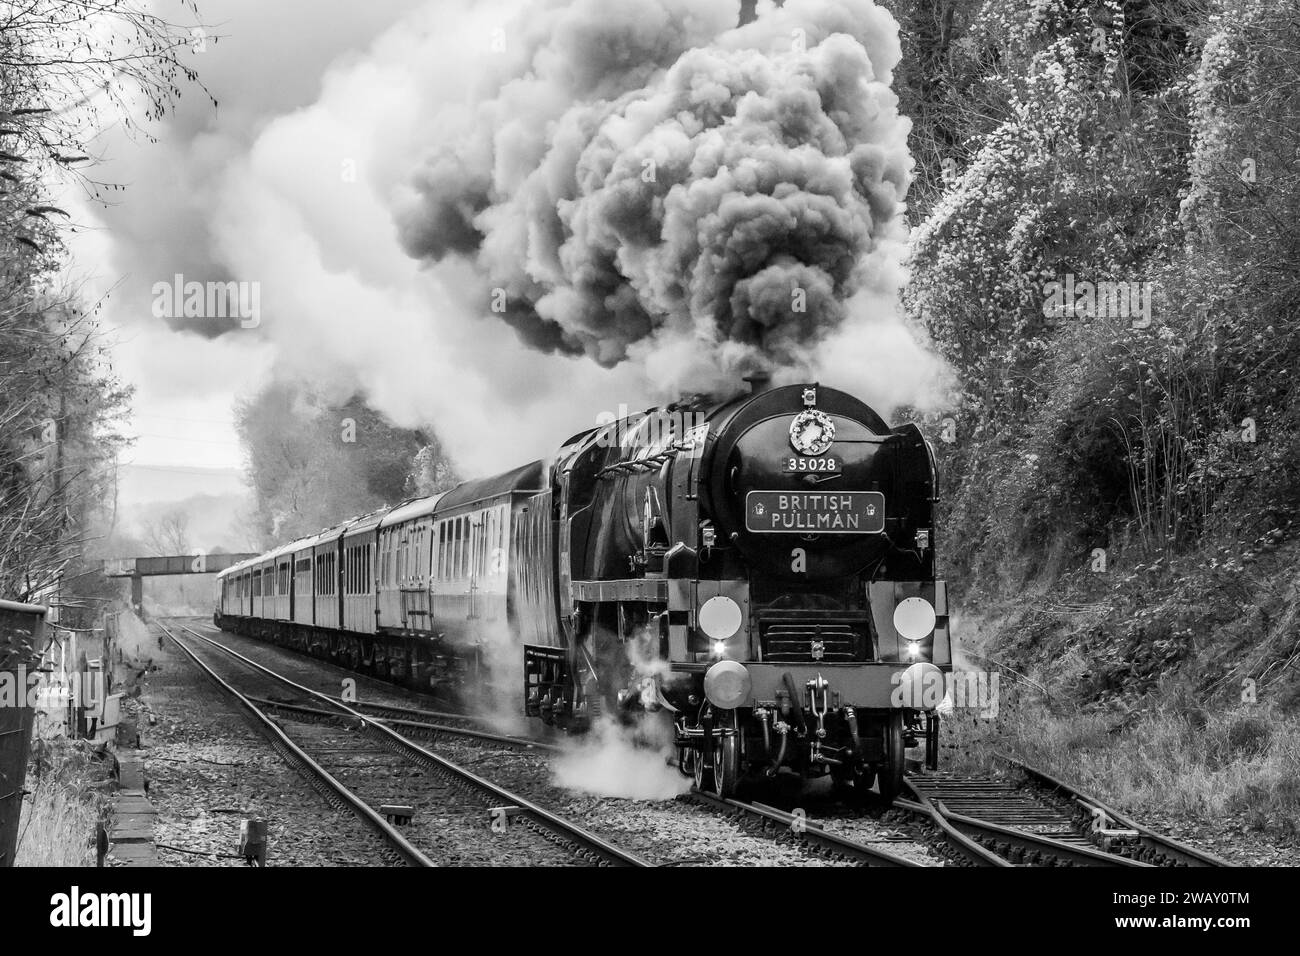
x: 172, y: 564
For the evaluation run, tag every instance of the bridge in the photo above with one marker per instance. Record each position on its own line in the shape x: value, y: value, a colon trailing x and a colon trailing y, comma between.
x: 137, y: 569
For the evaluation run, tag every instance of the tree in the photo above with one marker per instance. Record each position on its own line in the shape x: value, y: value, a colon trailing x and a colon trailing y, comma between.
x: 169, y: 535
x: 67, y: 69
x: 313, y: 463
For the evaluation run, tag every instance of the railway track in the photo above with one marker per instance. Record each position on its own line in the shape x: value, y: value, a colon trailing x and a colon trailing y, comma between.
x: 397, y: 847
x: 425, y: 727
x: 986, y: 821
x: 1032, y: 819
x: 1134, y: 840
x: 643, y: 828
x: 774, y: 822
x: 341, y: 746
x: 414, y: 721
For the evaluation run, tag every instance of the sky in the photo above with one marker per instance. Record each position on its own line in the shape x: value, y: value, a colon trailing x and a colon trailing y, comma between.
x: 330, y: 118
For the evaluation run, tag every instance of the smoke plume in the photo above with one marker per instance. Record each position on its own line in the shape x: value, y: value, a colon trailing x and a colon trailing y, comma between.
x: 636, y: 179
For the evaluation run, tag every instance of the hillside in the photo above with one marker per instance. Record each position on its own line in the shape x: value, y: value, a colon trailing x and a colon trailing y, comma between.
x: 1104, y: 250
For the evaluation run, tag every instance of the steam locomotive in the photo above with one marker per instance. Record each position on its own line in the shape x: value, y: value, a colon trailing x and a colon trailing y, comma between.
x: 758, y: 570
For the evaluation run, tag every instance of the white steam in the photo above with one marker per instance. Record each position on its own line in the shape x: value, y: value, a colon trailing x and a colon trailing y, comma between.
x: 613, y: 760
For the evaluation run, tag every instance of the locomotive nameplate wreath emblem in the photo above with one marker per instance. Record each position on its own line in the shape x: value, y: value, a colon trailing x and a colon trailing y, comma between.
x: 812, y: 512
x: 811, y: 432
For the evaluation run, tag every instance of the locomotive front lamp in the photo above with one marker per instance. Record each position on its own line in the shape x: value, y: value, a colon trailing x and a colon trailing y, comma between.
x: 914, y: 618
x: 727, y: 684
x: 921, y: 687
x: 719, y: 617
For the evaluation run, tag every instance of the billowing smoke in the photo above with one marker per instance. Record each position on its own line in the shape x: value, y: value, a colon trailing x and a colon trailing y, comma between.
x: 637, y: 179
x: 646, y: 181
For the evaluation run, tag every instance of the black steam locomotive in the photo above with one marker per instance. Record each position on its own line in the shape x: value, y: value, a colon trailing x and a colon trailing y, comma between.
x: 761, y: 570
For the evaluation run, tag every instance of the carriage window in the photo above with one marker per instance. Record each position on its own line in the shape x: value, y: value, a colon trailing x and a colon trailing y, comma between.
x: 453, y: 559
x: 451, y: 549
x: 441, y: 570
x: 462, y: 544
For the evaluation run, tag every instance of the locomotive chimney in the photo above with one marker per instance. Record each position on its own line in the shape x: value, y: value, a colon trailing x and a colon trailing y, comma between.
x: 758, y: 382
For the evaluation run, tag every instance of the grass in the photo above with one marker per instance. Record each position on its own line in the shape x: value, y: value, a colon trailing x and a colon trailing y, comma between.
x: 1178, y: 758
x: 59, y: 816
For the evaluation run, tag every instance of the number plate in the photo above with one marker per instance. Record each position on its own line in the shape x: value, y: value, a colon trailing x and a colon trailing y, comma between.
x: 828, y: 464
x: 815, y: 512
